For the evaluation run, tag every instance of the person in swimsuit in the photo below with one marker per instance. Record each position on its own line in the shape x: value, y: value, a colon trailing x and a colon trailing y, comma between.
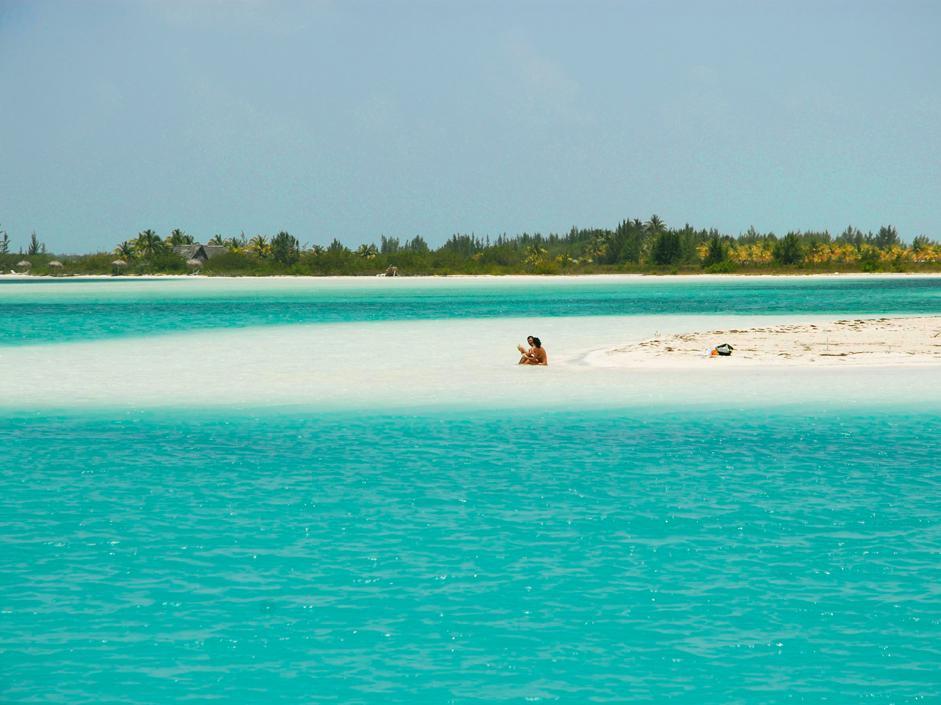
x: 536, y: 355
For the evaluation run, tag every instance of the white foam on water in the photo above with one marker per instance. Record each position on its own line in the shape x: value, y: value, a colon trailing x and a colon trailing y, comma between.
x: 463, y: 363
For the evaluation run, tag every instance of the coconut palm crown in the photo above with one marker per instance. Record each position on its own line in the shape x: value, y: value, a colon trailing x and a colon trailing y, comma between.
x: 148, y: 244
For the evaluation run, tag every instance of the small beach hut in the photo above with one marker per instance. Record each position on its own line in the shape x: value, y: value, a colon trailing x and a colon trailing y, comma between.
x: 194, y: 263
x: 56, y: 264
x: 199, y: 252
x: 117, y: 266
x: 24, y: 264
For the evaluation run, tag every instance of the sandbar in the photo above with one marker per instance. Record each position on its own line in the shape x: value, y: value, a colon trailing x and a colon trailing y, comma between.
x: 885, y: 341
x: 451, y: 364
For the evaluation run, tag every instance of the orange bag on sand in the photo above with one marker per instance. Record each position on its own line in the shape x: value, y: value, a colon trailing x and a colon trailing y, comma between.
x: 713, y: 353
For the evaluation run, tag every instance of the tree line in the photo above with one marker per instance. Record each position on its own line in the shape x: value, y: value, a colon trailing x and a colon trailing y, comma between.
x: 632, y: 246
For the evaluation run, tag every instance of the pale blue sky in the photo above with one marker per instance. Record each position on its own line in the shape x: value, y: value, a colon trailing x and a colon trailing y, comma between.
x: 355, y: 119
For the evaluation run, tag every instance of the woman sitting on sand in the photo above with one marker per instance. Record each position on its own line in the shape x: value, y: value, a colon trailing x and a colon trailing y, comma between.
x: 536, y: 355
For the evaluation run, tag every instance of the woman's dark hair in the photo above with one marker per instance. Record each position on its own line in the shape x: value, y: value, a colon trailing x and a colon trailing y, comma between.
x: 537, y: 342
x: 530, y: 337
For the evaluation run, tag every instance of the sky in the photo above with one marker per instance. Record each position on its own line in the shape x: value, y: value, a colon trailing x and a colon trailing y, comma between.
x: 358, y: 119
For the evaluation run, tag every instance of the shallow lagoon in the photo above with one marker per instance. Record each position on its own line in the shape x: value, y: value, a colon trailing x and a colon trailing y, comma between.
x: 298, y: 519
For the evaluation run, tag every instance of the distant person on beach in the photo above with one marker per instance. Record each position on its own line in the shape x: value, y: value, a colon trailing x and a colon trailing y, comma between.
x: 536, y: 355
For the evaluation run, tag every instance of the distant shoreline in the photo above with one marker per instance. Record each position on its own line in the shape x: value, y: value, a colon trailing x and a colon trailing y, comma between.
x: 495, y: 277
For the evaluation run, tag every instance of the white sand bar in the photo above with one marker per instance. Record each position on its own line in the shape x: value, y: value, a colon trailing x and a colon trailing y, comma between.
x: 846, y: 342
x: 464, y: 363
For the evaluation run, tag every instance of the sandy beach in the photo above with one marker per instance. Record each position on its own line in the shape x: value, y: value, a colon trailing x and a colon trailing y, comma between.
x: 854, y: 341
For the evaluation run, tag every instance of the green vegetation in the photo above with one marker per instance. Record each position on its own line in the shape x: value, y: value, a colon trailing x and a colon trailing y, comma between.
x: 633, y: 246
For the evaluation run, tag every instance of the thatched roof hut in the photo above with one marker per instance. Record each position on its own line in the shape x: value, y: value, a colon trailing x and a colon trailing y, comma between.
x: 200, y: 252
x: 56, y: 264
x: 119, y: 263
x: 24, y: 264
x: 194, y: 263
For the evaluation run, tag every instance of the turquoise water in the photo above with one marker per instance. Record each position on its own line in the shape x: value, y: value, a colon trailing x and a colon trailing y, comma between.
x: 621, y: 555
x: 605, y: 556
x: 47, y: 310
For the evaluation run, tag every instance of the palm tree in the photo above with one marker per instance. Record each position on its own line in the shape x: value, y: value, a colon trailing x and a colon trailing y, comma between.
x: 259, y: 245
x: 148, y: 244
x: 125, y: 250
x: 178, y: 237
x: 367, y: 251
x: 236, y: 244
x: 655, y: 225
x: 216, y: 239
